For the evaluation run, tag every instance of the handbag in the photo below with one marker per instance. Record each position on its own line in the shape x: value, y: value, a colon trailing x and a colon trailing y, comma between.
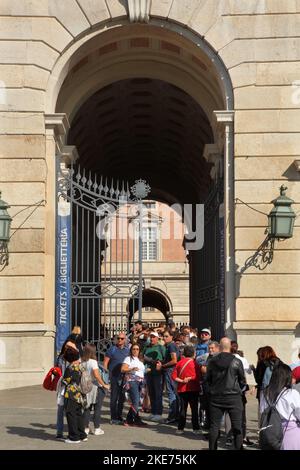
x: 52, y: 378
x: 104, y: 374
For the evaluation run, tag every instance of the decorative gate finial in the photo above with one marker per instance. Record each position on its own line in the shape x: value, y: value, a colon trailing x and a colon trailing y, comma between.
x: 140, y: 189
x: 139, y: 10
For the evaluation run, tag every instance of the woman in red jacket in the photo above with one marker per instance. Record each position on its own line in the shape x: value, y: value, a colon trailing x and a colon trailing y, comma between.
x: 187, y: 375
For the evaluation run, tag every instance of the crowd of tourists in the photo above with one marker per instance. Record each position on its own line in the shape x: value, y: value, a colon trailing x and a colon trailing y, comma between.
x: 193, y: 369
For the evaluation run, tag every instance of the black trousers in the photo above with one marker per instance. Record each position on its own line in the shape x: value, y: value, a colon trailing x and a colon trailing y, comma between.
x: 117, y: 398
x: 185, y: 399
x: 154, y: 384
x: 234, y: 407
x: 74, y: 414
x: 244, y: 419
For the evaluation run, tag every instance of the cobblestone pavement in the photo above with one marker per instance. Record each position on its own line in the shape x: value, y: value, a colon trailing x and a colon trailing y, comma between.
x: 28, y: 416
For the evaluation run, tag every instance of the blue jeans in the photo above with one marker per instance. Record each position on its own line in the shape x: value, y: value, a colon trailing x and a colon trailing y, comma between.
x: 172, y: 395
x: 60, y: 419
x: 154, y: 384
x: 117, y: 397
x: 134, y: 392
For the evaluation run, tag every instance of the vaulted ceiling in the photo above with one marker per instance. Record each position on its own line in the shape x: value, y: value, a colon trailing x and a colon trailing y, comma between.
x: 146, y: 128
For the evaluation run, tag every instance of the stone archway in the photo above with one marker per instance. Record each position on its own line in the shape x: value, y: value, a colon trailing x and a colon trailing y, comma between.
x: 185, y: 60
x: 152, y: 298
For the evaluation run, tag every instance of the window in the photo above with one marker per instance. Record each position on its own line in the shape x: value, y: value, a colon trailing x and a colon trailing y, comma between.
x: 149, y: 205
x: 149, y: 242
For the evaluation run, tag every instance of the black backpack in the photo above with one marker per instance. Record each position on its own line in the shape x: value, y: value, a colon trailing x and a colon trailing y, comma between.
x: 270, y: 432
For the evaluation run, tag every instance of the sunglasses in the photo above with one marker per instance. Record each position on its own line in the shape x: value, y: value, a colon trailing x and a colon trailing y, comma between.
x: 205, y: 334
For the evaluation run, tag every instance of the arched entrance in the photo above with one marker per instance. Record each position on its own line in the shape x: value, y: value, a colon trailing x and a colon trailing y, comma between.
x: 143, y: 104
x: 152, y: 299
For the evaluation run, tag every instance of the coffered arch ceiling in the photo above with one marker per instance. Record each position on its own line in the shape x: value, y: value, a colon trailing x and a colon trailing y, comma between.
x: 145, y: 128
x: 141, y: 105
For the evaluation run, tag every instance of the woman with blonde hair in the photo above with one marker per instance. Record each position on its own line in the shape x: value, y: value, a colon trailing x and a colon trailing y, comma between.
x: 76, y: 330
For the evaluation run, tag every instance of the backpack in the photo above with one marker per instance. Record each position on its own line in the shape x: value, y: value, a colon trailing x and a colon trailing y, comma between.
x: 270, y: 432
x: 86, y: 383
x: 52, y: 378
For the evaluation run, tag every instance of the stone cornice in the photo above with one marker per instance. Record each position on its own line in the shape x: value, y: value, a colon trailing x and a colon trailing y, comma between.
x: 58, y: 125
x: 69, y: 154
x: 225, y: 116
x: 58, y: 122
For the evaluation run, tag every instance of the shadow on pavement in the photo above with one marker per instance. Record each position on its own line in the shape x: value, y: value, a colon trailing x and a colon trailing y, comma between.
x: 43, y: 426
x: 30, y: 433
x: 142, y: 446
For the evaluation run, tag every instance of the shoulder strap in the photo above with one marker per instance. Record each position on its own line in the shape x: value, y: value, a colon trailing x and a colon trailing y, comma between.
x: 279, y: 396
x: 277, y: 399
x: 184, y: 366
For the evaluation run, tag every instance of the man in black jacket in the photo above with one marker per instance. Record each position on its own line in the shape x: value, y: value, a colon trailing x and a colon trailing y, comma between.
x: 226, y: 380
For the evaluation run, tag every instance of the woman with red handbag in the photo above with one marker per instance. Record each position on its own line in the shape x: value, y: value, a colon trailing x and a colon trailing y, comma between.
x: 62, y: 364
x: 187, y: 375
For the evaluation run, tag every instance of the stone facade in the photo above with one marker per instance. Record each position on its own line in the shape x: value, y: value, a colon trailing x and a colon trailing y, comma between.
x: 258, y: 45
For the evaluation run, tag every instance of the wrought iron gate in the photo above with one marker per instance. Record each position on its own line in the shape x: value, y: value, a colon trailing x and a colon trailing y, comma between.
x: 105, y: 263
x: 208, y: 268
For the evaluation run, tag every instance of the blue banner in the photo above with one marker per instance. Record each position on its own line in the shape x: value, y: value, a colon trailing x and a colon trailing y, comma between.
x: 63, y: 274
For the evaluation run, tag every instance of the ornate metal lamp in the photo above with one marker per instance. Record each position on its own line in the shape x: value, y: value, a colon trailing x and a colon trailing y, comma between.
x: 5, y: 221
x: 282, y: 217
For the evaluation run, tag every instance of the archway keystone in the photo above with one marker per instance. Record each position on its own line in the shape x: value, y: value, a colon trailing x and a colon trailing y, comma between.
x: 139, y: 10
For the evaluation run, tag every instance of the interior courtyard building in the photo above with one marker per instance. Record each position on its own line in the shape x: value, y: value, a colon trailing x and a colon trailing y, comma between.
x: 185, y: 112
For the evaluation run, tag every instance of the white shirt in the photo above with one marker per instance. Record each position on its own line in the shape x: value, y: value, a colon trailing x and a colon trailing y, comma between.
x: 135, y: 362
x: 91, y: 365
x: 289, y: 402
x: 245, y: 363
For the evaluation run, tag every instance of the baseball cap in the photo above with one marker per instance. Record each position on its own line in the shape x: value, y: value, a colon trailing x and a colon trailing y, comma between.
x: 205, y: 330
x: 154, y: 333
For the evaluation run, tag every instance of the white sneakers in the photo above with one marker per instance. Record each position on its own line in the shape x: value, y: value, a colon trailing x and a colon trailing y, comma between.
x: 68, y: 441
x: 98, y: 432
x: 156, y: 418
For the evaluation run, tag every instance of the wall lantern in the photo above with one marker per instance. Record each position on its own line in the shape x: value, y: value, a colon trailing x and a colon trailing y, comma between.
x: 5, y: 222
x: 281, y: 217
